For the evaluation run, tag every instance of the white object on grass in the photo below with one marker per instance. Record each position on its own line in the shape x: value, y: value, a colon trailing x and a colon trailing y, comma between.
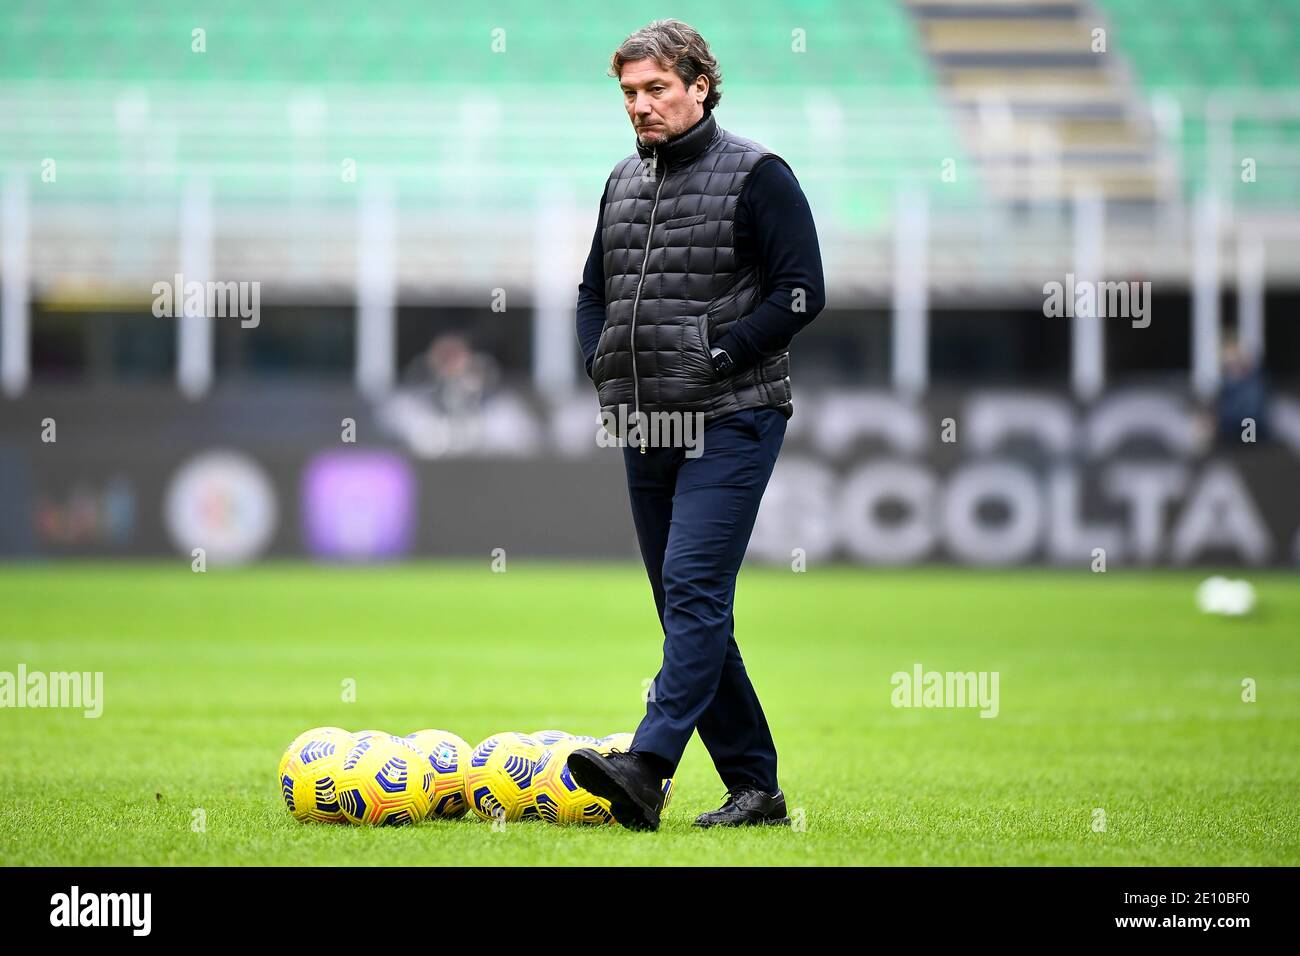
x: 1220, y: 595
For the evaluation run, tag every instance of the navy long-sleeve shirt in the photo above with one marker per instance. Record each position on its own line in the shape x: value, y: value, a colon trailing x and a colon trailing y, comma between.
x: 774, y: 226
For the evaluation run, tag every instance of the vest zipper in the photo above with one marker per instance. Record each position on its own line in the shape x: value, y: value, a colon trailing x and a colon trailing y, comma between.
x: 645, y: 259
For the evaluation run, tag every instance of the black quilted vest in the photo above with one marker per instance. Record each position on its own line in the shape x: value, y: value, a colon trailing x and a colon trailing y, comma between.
x: 673, y: 283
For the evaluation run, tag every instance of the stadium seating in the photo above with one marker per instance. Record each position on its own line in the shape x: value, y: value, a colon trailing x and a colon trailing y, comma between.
x: 473, y: 141
x: 1244, y: 51
x: 285, y: 89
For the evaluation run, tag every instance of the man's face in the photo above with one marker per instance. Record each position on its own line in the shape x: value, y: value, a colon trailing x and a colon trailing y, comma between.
x: 659, y: 105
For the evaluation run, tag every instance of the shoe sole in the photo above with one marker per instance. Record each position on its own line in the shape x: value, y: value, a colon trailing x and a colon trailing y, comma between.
x: 592, y: 775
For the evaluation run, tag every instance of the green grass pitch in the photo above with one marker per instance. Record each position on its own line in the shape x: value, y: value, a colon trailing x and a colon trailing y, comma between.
x: 1115, y: 693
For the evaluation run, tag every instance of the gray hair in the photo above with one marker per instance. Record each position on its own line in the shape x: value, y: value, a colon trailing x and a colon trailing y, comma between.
x: 674, y: 46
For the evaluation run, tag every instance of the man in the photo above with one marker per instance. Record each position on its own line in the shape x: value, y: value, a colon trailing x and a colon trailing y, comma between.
x: 703, y: 267
x: 1243, y: 394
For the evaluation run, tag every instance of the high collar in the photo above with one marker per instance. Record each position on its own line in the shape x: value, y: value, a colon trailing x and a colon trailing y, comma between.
x: 683, y: 147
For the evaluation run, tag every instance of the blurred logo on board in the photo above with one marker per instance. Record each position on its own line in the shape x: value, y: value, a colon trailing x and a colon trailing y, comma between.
x: 358, y: 505
x: 224, y: 503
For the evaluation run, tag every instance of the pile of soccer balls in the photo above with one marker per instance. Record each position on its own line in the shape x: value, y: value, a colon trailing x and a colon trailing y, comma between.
x: 328, y: 775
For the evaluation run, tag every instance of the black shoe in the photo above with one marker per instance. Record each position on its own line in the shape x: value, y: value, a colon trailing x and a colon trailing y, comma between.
x: 747, y: 806
x: 625, y: 780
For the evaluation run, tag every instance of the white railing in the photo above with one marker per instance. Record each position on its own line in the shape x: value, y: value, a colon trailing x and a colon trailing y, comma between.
x: 480, y: 191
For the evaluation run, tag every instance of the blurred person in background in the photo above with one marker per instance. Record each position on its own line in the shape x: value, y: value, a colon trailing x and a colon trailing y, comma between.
x: 456, y: 379
x: 443, y: 398
x: 1243, y: 394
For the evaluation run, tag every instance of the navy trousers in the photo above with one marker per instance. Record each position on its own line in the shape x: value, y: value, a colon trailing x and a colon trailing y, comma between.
x: 693, y: 519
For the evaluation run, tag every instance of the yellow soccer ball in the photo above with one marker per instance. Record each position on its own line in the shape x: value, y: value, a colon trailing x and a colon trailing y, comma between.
x: 448, y: 755
x: 308, y: 774
x: 499, y: 777
x: 556, y: 794
x: 385, y: 781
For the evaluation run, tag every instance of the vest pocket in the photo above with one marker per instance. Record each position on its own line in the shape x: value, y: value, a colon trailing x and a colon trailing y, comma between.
x: 603, y: 347
x: 681, y: 222
x: 692, y: 377
x: 705, y: 348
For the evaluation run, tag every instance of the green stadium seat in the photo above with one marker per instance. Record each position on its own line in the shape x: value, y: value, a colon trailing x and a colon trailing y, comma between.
x: 266, y: 50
